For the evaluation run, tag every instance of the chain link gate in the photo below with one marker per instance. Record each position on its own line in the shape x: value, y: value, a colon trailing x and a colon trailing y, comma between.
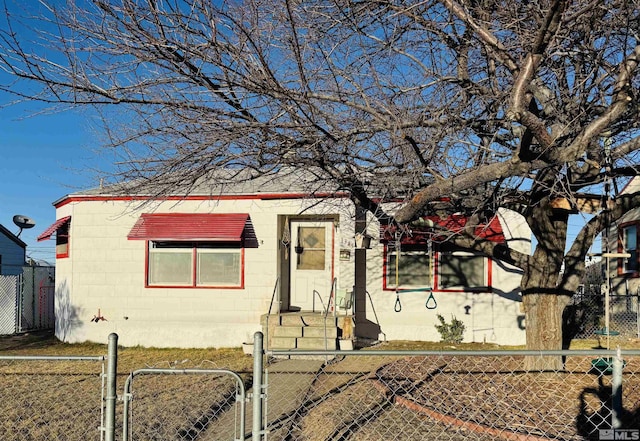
x: 184, y: 404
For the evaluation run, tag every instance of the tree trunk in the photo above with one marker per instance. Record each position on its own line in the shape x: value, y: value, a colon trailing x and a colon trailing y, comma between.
x: 544, y: 329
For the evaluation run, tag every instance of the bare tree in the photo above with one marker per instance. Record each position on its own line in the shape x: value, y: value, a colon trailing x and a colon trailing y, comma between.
x: 526, y: 105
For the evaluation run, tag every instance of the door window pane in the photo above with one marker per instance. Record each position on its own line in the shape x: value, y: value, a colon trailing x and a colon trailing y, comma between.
x: 312, y: 241
x: 312, y: 237
x: 311, y: 260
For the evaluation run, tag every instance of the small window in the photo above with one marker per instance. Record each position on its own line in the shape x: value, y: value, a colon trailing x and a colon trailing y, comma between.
x: 62, y: 241
x: 461, y: 270
x: 413, y: 269
x: 201, y: 264
x: 630, y: 245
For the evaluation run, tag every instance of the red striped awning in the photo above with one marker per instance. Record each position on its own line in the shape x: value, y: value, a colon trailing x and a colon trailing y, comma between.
x: 54, y: 228
x: 222, y: 227
x: 455, y: 223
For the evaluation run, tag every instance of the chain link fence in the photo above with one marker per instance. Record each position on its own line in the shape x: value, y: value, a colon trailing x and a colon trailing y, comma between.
x: 27, y: 300
x: 36, y: 301
x: 326, y: 395
x: 449, y: 396
x: 9, y: 289
x: 51, y: 398
x: 585, y: 314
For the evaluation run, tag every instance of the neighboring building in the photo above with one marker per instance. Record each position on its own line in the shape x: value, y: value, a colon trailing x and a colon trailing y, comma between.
x: 623, y: 236
x: 204, y: 270
x: 26, y: 290
x: 12, y: 253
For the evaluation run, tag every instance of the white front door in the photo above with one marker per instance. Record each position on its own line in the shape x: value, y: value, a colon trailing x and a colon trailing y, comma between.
x: 312, y: 244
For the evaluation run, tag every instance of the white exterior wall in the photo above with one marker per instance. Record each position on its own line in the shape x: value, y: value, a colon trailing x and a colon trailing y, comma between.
x: 105, y: 275
x: 493, y: 317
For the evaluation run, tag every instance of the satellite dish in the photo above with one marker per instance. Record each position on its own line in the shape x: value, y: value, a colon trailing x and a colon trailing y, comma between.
x: 23, y: 222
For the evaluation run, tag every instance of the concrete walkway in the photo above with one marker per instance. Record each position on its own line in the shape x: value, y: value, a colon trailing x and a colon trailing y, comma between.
x: 287, y: 385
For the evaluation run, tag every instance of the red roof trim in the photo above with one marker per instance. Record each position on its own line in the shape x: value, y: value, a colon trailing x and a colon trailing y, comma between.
x: 53, y: 228
x: 222, y: 227
x: 454, y: 223
x: 266, y: 196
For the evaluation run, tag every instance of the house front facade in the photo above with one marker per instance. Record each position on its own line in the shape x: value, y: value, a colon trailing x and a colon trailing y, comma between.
x: 206, y: 270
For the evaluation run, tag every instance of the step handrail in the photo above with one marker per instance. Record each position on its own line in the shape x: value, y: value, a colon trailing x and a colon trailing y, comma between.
x: 324, y: 314
x: 273, y: 296
x: 334, y: 283
x: 332, y: 295
x: 313, y: 304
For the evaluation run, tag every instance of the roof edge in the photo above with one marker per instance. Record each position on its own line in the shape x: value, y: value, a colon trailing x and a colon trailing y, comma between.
x: 12, y: 236
x: 131, y: 198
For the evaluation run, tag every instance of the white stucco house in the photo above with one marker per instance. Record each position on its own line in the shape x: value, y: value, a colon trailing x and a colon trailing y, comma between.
x: 205, y: 270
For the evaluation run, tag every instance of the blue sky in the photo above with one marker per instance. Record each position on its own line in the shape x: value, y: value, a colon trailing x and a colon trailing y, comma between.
x: 44, y: 157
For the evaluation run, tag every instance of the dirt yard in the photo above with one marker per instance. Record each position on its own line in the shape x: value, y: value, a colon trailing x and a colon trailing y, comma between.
x: 440, y: 397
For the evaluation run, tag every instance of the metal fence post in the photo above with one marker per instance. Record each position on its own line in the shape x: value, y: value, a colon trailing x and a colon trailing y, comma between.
x: 616, y: 391
x: 110, y: 396
x: 256, y: 434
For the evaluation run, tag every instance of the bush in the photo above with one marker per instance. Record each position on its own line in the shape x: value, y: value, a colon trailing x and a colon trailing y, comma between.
x: 450, y: 332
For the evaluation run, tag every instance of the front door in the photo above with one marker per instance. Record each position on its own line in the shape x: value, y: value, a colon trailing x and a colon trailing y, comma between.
x: 311, y: 264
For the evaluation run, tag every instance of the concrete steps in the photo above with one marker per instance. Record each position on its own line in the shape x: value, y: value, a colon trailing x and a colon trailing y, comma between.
x: 300, y: 330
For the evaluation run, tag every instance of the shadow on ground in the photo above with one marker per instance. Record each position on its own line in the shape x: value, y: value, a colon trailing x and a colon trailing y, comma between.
x: 27, y: 340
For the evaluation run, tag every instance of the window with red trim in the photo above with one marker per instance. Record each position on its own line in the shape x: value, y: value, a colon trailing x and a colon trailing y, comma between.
x: 62, y: 241
x: 459, y: 270
x: 412, y: 269
x: 60, y: 228
x: 444, y: 270
x: 628, y: 243
x: 195, y: 264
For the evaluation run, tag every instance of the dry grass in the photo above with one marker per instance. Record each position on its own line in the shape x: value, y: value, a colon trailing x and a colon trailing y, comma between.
x: 61, y: 400
x: 404, y: 345
x: 130, y: 359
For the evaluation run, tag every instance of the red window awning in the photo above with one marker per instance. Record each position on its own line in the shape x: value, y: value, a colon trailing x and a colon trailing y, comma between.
x: 455, y: 223
x: 54, y: 228
x: 222, y: 227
